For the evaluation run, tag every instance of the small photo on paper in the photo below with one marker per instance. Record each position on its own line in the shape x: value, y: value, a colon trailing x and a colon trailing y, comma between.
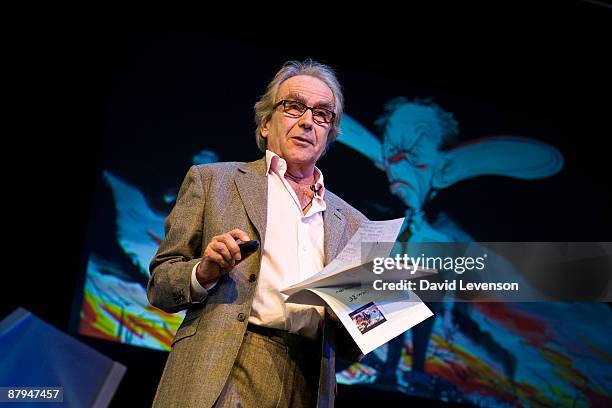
x: 367, y: 317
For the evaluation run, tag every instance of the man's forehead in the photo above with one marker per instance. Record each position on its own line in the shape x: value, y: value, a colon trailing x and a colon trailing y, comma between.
x: 305, y: 88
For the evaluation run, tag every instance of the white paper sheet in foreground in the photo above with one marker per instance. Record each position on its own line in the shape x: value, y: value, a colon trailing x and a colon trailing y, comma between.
x: 371, y: 317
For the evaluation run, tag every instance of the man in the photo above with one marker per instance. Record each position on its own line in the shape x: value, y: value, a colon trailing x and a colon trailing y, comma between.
x: 240, y: 344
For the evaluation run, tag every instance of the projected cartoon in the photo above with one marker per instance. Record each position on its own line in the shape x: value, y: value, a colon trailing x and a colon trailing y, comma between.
x: 115, y: 304
x: 464, y: 355
x: 486, y: 354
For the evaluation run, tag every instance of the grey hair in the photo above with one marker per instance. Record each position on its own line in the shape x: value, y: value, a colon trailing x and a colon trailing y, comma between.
x: 450, y: 127
x: 265, y: 106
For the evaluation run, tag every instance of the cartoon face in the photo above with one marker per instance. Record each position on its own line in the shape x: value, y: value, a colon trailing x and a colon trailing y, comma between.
x: 410, y: 152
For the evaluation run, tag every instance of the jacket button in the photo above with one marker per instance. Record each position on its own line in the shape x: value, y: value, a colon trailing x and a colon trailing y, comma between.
x: 241, y: 317
x: 252, y: 278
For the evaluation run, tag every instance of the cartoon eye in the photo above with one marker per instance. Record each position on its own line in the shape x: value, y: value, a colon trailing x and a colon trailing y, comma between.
x: 397, y: 157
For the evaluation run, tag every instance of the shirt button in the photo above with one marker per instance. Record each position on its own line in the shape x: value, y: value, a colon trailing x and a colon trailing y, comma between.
x: 241, y: 317
x: 252, y: 278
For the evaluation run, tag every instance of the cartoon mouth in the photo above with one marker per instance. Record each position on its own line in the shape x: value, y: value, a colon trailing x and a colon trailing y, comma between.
x: 396, y: 183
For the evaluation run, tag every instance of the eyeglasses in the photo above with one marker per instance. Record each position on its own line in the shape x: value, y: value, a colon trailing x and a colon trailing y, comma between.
x: 296, y: 109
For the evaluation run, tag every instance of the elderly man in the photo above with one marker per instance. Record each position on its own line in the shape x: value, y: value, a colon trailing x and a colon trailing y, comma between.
x: 240, y: 343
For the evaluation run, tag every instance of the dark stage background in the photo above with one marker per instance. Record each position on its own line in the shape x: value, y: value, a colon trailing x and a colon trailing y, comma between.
x: 94, y: 96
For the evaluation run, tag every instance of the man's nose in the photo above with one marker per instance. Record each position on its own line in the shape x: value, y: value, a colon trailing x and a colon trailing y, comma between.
x: 306, y: 119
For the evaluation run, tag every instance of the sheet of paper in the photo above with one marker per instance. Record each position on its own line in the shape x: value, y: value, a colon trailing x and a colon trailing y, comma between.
x: 375, y: 237
x: 372, y: 317
x: 383, y: 233
x: 359, y: 275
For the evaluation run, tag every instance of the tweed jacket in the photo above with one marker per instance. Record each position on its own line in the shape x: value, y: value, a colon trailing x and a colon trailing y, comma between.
x: 213, y: 199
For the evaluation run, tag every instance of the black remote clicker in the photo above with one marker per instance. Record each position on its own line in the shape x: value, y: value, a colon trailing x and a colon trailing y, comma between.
x: 248, y: 247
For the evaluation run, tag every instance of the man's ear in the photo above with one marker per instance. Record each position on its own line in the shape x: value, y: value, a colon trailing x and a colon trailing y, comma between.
x: 265, y: 130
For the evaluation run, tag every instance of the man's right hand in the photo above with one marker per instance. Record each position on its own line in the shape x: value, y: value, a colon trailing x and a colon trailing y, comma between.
x: 220, y: 256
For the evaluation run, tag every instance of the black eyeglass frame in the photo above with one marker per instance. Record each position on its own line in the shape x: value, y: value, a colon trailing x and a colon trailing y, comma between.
x: 305, y: 108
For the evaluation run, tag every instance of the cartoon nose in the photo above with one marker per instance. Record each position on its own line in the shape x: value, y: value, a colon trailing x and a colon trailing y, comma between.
x: 393, y: 171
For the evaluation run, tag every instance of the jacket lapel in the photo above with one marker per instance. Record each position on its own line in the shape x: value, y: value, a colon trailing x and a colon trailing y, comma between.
x: 334, y: 224
x: 252, y: 186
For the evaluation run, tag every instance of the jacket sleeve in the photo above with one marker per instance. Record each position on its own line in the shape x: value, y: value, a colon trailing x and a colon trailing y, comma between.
x: 169, y: 286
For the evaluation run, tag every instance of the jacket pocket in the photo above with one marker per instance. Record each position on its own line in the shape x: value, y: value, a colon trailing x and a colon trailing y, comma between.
x: 189, y: 326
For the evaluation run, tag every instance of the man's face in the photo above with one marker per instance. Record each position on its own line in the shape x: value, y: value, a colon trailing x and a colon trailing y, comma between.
x: 299, y: 140
x: 411, y: 154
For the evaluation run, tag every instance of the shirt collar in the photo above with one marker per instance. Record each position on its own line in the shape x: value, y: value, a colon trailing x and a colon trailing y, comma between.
x: 278, y: 165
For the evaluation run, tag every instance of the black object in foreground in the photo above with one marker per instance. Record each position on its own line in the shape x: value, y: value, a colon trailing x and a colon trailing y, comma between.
x: 248, y: 247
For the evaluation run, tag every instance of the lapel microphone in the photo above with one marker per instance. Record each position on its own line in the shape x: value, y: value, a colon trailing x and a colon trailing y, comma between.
x: 314, y: 188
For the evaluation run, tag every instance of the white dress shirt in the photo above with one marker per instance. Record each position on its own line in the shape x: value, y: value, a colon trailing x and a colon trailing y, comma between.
x: 293, y: 251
